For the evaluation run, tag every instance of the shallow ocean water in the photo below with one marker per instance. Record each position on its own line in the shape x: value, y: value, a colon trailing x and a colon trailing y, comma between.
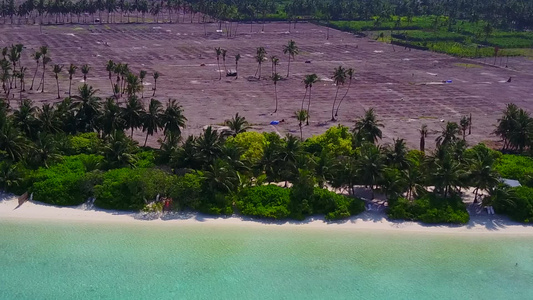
x: 202, y: 261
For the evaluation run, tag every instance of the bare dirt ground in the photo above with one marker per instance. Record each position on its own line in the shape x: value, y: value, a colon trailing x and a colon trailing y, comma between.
x: 405, y: 87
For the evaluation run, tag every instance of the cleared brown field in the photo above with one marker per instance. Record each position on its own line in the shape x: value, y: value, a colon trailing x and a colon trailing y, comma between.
x: 405, y: 87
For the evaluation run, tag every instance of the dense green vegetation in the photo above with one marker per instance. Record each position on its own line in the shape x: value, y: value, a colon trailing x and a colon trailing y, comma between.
x: 429, y: 209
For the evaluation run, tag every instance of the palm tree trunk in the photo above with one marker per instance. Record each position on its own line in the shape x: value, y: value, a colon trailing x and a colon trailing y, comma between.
x: 289, y: 64
x: 333, y: 107
x: 219, y: 73
x: 308, y: 107
x: 155, y: 87
x: 142, y: 90
x: 42, y: 80
x: 131, y: 136
x: 276, y: 94
x: 342, y: 99
x: 236, y: 70
x: 303, y: 100
x: 146, y: 139
x: 301, y: 133
x: 57, y: 81
x: 69, y: 86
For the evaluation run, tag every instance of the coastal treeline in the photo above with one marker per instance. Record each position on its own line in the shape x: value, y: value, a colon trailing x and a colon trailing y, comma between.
x: 516, y: 14
x: 82, y: 147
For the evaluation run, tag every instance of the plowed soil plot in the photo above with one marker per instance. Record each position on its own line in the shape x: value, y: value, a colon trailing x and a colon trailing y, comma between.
x: 406, y: 88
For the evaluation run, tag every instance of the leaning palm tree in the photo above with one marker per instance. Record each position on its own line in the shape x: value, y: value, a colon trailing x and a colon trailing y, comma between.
x: 37, y: 57
x: 350, y: 73
x: 111, y: 118
x: 301, y: 116
x: 237, y: 58
x: 132, y: 84
x: 218, y: 52
x: 110, y: 68
x: 275, y: 78
x: 237, y: 124
x: 57, y: 69
x: 151, y: 120
x: 156, y: 76
x: 291, y: 49
x: 481, y: 173
x: 85, y: 70
x: 133, y: 113
x: 309, y: 80
x: 339, y: 77
x: 71, y: 71
x: 260, y: 57
x: 423, y: 135
x: 142, y: 75
x: 367, y: 128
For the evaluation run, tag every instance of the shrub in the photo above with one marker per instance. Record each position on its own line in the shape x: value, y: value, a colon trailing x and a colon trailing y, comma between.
x: 429, y: 209
x: 186, y: 190
x: 129, y: 189
x: 515, y: 167
x: 267, y: 201
x: 87, y: 143
x: 519, y: 207
x: 337, y: 141
x: 335, y: 206
x: 252, y: 144
x: 61, y: 184
x: 145, y: 159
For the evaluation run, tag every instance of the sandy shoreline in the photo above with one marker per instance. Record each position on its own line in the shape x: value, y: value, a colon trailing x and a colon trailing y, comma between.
x: 36, y: 211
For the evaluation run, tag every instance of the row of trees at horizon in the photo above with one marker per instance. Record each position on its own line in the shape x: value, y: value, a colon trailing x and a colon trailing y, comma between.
x: 509, y: 13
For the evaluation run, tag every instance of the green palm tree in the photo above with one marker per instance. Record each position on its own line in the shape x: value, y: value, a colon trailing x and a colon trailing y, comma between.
x: 275, y: 62
x: 87, y: 105
x: 220, y: 177
x: 309, y: 80
x: 156, y: 76
x: 85, y: 70
x: 133, y: 114
x: 447, y: 174
x: 218, y: 52
x: 119, y: 151
x: 301, y: 116
x: 22, y: 76
x: 57, y: 69
x: 48, y: 119
x: 110, y: 68
x: 481, y: 173
x: 209, y: 146
x: 24, y: 118
x: 111, y: 119
x: 339, y: 77
x: 465, y: 122
x: 142, y: 75
x: 151, y: 120
x: 13, y: 142
x: 414, y: 181
x: 275, y: 78
x: 43, y: 50
x: 292, y: 50
x: 448, y: 135
x: 237, y: 124
x: 259, y: 58
x: 367, y: 128
x: 44, y: 151
x: 46, y: 60
x: 423, y: 135
x: 370, y: 164
x: 133, y: 85
x: 237, y: 58
x: 396, y: 156
x: 9, y: 176
x: 349, y: 73
x: 173, y: 119
x: 71, y: 71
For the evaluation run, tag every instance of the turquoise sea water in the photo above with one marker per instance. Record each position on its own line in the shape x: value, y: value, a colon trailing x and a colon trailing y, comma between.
x: 202, y: 261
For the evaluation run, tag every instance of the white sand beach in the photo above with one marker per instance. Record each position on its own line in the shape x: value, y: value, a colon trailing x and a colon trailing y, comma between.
x: 370, y: 220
